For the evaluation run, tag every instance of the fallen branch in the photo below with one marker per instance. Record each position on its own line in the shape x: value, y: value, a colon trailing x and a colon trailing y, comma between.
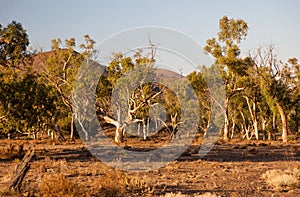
x: 20, y: 171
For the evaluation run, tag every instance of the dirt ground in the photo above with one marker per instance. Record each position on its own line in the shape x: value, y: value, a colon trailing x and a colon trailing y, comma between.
x: 233, y: 168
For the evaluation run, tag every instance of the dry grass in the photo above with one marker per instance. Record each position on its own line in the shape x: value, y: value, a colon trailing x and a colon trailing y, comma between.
x: 67, y: 169
x: 282, y: 179
x: 207, y: 194
x: 179, y: 194
x: 63, y: 179
x: 117, y: 183
x: 113, y: 183
x: 56, y: 185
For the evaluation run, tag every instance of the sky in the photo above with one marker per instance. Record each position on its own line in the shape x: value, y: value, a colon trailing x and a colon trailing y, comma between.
x: 270, y: 21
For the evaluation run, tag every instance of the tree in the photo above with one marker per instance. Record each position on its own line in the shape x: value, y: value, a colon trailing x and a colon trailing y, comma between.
x: 172, y: 106
x: 294, y: 83
x: 203, y: 94
x: 129, y: 87
x: 26, y: 104
x: 226, y: 50
x: 60, y: 69
x: 274, y: 79
x: 13, y: 44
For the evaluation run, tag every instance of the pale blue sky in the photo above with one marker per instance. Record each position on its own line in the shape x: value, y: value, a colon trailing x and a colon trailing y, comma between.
x: 270, y: 21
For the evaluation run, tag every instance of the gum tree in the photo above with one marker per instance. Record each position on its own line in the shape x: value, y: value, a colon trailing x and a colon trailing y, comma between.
x: 295, y: 85
x: 225, y: 49
x: 13, y: 44
x: 60, y: 68
x: 203, y: 94
x: 26, y: 104
x: 128, y: 86
x: 274, y: 79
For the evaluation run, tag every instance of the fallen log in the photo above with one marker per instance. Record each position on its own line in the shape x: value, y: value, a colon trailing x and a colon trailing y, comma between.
x: 20, y: 171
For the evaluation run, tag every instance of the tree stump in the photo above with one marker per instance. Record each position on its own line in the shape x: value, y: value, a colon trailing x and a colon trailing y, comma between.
x: 20, y: 171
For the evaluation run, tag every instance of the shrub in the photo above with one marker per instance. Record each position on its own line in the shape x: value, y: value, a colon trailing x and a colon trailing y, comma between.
x: 56, y: 185
x: 279, y: 178
x: 117, y: 183
x: 179, y: 194
x: 207, y: 194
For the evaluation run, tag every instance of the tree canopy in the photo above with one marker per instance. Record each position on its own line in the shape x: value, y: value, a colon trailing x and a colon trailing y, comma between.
x: 262, y: 93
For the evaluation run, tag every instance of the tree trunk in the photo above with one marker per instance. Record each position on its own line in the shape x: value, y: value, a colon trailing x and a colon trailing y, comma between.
x: 255, y: 125
x: 232, y: 129
x: 118, y: 135
x: 52, y: 135
x: 226, y: 128
x: 263, y: 124
x: 144, y: 129
x: 57, y: 129
x: 72, y: 128
x: 226, y: 122
x: 274, y: 122
x: 208, y: 122
x: 253, y: 115
x: 284, y: 122
x: 139, y: 129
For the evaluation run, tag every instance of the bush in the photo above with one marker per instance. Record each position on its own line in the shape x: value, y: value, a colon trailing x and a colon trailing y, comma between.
x: 56, y: 185
x: 117, y: 183
x: 280, y: 179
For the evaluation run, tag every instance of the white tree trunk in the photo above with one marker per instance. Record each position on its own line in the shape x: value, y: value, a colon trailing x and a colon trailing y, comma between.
x: 226, y: 128
x: 148, y: 125
x: 72, y: 128
x: 144, y: 129
x: 226, y: 121
x: 232, y: 129
x: 255, y: 125
x: 118, y: 134
x: 284, y: 122
x: 139, y: 129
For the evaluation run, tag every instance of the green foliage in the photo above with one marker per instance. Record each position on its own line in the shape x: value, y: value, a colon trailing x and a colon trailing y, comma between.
x: 256, y: 88
x: 25, y: 103
x: 13, y: 44
x: 226, y: 50
x: 201, y: 89
x: 60, y: 71
x: 125, y: 74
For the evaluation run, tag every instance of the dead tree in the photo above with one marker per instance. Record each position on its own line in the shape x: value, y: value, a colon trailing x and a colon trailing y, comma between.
x: 20, y: 171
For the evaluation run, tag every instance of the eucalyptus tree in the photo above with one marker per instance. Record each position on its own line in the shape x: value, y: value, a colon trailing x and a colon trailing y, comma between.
x: 125, y: 95
x: 172, y: 105
x: 203, y: 94
x: 225, y: 50
x: 213, y: 96
x: 13, y: 44
x: 26, y: 103
x: 60, y: 67
x: 273, y: 80
x: 181, y: 105
x: 295, y: 85
x: 238, y: 109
